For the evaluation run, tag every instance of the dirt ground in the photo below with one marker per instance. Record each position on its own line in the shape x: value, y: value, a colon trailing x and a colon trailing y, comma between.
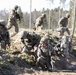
x: 16, y: 43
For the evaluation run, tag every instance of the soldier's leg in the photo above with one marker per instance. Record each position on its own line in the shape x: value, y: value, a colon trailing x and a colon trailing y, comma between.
x: 61, y: 33
x: 48, y: 64
x: 16, y: 29
x: 68, y: 31
x: 53, y: 63
x: 66, y: 57
x: 60, y: 30
x: 70, y: 47
x: 41, y: 62
x: 3, y: 46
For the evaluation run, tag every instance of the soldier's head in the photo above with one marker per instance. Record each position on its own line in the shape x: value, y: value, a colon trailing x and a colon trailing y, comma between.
x: 44, y: 43
x: 25, y: 34
x: 67, y: 15
x: 2, y: 24
x: 15, y: 7
x: 43, y: 15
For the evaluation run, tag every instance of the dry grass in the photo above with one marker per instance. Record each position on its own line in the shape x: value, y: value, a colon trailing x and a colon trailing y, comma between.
x: 16, y: 43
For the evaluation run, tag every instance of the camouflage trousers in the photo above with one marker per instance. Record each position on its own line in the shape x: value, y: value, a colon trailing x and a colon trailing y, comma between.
x: 44, y: 63
x: 10, y: 24
x: 2, y: 45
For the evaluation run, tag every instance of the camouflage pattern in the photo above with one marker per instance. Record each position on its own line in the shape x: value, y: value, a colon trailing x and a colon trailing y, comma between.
x: 63, y: 22
x: 44, y: 53
x: 65, y: 45
x: 12, y: 21
x: 62, y: 49
x: 62, y: 45
x: 32, y: 41
x: 41, y: 21
x: 4, y: 35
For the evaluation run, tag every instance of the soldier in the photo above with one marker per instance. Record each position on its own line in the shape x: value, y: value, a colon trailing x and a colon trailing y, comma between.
x: 32, y: 41
x: 12, y: 21
x: 64, y: 47
x: 4, y: 35
x: 63, y: 22
x: 44, y: 54
x: 41, y: 22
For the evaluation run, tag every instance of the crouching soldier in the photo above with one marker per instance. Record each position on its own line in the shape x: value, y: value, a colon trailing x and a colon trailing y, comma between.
x: 30, y: 41
x: 44, y: 54
x: 4, y: 35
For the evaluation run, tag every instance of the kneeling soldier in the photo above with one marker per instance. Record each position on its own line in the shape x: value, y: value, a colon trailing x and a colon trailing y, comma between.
x: 44, y: 54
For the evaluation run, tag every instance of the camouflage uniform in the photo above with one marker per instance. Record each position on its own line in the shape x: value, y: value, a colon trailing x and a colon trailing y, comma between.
x: 12, y: 21
x: 63, y: 22
x: 4, y: 35
x: 32, y: 40
x: 44, y: 54
x: 65, y: 45
x: 41, y: 21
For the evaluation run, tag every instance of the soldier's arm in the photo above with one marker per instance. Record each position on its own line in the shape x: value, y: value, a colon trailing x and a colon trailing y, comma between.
x: 60, y: 21
x: 39, y: 52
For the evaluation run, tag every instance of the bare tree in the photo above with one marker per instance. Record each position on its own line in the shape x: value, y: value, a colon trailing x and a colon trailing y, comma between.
x: 72, y: 8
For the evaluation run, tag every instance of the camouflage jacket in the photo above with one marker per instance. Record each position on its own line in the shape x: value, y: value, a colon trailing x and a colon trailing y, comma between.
x: 13, y: 16
x: 63, y: 22
x: 4, y: 35
x: 40, y: 21
x: 32, y: 39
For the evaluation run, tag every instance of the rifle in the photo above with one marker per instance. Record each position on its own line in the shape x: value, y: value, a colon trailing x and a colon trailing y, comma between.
x: 17, y: 16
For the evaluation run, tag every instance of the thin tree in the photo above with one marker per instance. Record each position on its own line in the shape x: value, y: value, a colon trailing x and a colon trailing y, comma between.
x: 73, y: 16
x: 50, y: 2
x: 30, y: 14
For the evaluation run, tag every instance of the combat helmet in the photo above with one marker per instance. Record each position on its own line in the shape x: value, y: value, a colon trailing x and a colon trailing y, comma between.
x: 44, y: 40
x: 24, y: 34
x: 16, y: 7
